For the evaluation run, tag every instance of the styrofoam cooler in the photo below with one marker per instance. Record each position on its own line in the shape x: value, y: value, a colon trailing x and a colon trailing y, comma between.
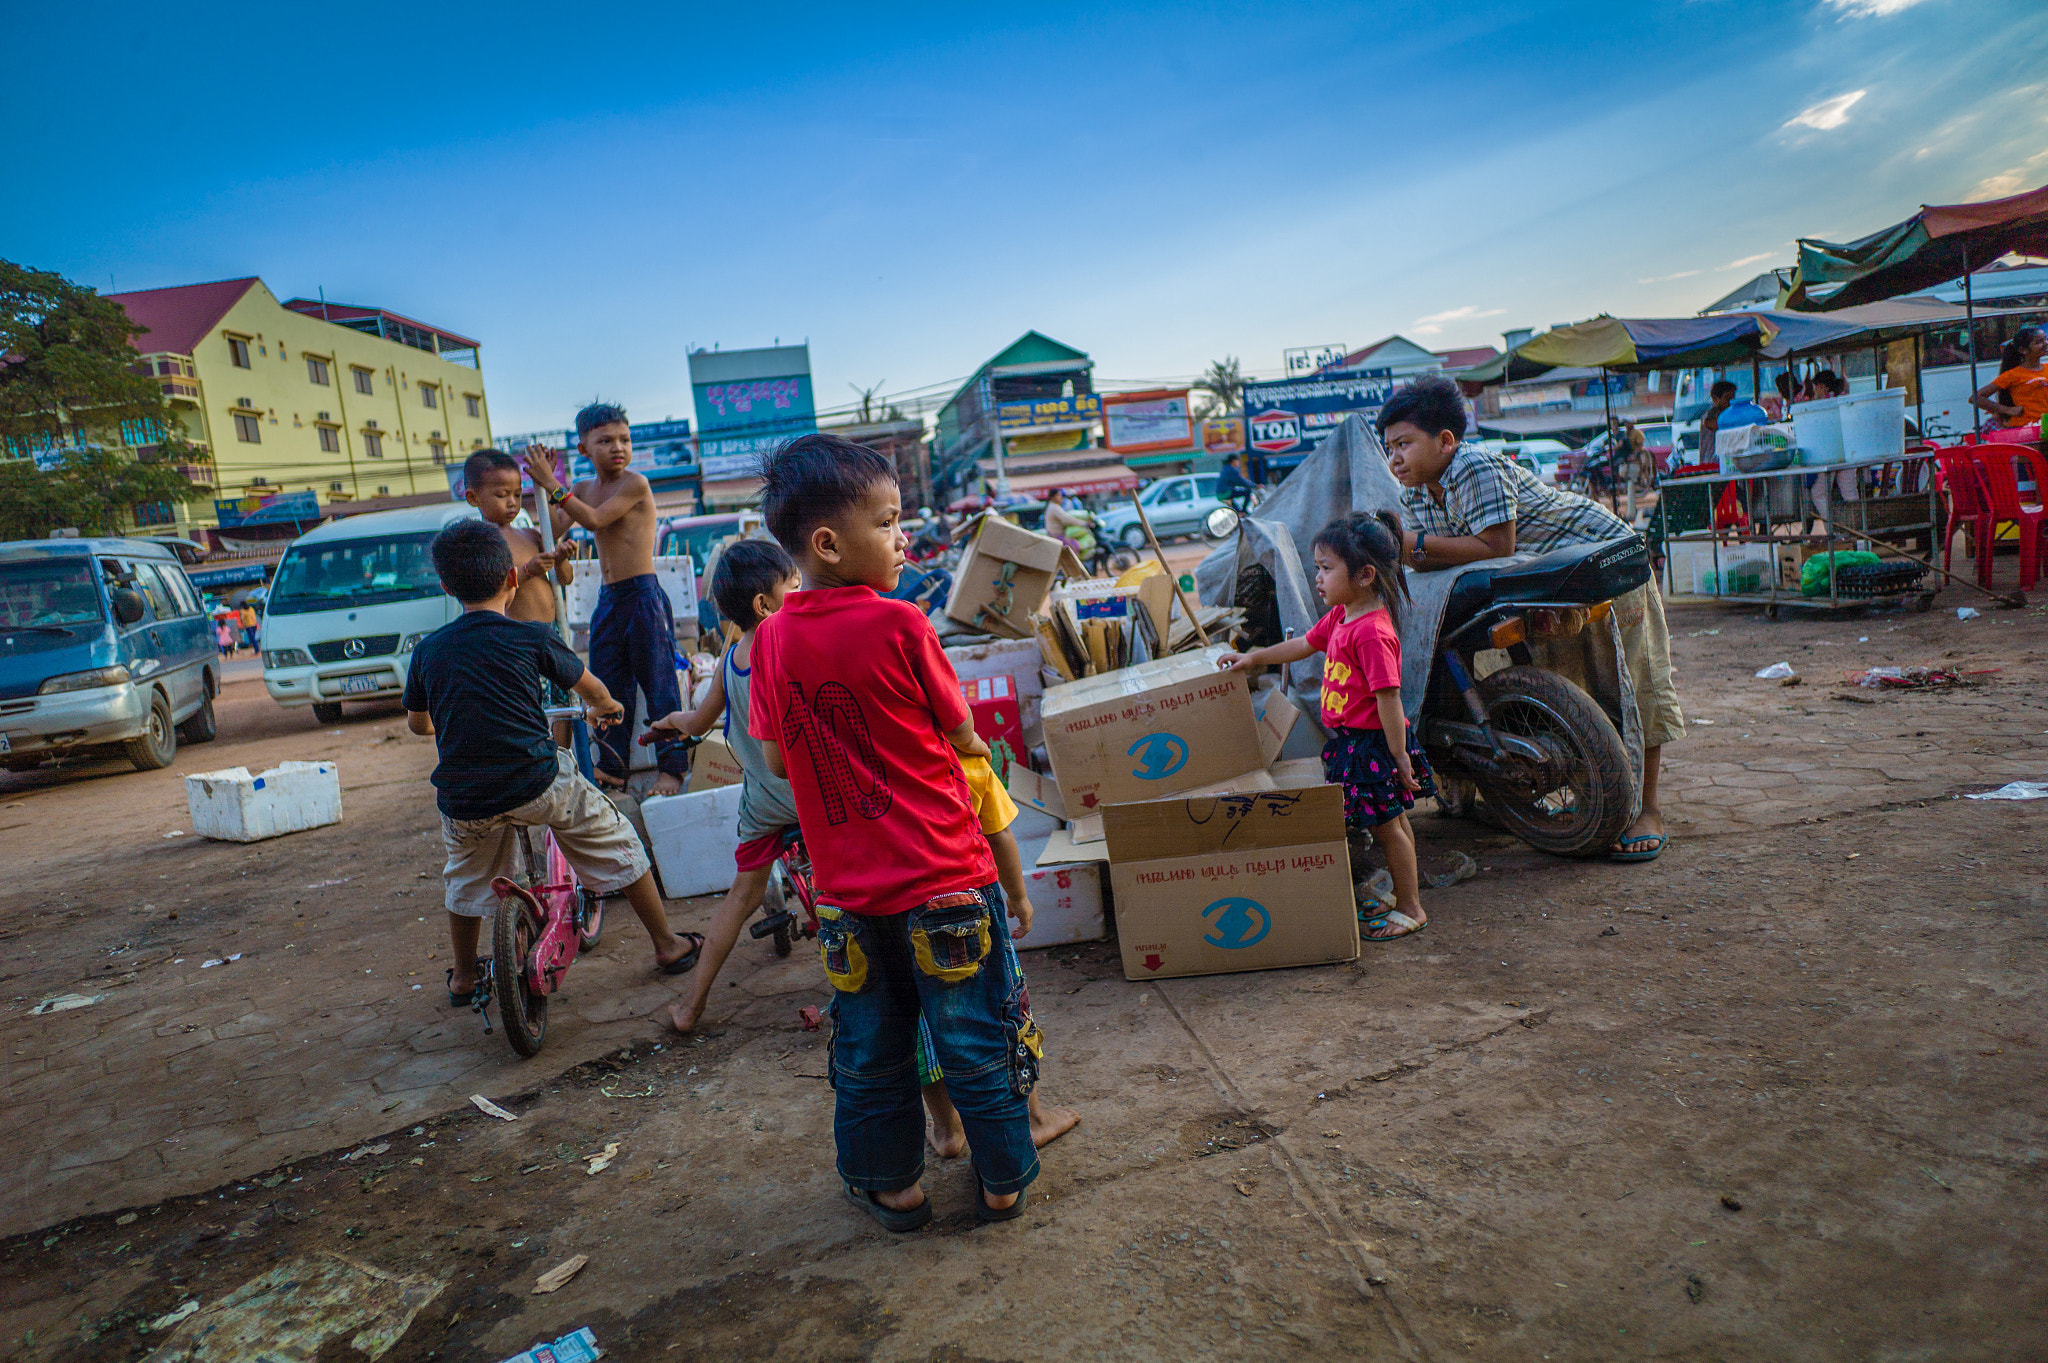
x: 1819, y: 426
x: 1066, y: 905
x: 1873, y: 425
x: 693, y: 838
x: 233, y: 806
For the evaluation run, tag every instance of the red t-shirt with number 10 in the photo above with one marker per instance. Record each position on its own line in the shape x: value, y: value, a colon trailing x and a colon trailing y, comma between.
x: 859, y: 694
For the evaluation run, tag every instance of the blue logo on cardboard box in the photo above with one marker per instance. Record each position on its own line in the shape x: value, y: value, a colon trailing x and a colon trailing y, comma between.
x: 1240, y: 923
x: 1159, y: 756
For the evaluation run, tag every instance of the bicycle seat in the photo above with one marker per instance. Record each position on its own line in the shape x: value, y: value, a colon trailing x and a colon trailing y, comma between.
x: 1578, y: 575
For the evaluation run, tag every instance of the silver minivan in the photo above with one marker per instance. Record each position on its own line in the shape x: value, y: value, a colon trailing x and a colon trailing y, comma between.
x: 105, y: 648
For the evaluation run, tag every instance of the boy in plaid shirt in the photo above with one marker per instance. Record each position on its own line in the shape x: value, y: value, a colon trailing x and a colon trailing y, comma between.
x: 1462, y: 503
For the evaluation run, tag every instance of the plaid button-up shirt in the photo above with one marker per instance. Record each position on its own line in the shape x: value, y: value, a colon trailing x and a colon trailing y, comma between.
x: 1483, y: 489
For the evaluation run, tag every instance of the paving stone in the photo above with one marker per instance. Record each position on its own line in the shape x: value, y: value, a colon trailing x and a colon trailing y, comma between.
x: 112, y: 1140
x: 1756, y: 780
x: 248, y: 1024
x: 428, y: 1071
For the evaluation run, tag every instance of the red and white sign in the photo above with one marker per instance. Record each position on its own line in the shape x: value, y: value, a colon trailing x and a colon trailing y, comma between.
x: 1276, y: 431
x: 998, y: 719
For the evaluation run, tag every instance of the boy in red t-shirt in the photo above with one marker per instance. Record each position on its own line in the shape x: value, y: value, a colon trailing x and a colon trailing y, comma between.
x: 855, y: 702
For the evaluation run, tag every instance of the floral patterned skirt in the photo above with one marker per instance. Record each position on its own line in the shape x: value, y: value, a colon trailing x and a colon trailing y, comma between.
x: 1360, y: 761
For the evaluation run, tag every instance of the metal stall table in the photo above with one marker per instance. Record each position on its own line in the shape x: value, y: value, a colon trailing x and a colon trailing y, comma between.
x: 1877, y: 506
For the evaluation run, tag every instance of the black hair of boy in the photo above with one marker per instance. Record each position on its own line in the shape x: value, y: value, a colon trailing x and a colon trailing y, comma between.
x: 478, y: 467
x: 816, y: 478
x: 1431, y: 404
x: 472, y: 559
x: 747, y: 569
x: 599, y: 414
x: 1722, y: 387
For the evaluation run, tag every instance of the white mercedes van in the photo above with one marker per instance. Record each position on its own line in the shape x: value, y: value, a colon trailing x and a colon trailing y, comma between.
x: 349, y: 602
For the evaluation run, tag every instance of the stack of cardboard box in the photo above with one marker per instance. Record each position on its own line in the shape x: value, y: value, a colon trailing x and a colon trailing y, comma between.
x: 1220, y: 857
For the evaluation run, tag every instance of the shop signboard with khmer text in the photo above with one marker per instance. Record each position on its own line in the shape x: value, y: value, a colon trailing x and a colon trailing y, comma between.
x: 1287, y: 419
x: 748, y: 402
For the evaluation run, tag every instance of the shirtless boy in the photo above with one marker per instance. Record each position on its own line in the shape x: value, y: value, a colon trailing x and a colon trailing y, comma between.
x: 492, y: 485
x: 633, y: 630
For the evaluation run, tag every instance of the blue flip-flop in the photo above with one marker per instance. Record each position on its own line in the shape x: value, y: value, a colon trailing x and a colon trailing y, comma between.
x: 1631, y: 852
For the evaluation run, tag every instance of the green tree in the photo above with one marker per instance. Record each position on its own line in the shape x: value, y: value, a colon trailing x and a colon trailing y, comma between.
x: 71, y: 379
x: 1221, y: 387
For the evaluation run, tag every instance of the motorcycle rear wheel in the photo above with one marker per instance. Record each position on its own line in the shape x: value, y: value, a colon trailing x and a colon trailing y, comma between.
x: 1590, y: 787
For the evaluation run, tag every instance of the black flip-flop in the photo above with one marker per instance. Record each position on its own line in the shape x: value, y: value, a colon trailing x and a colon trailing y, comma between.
x: 686, y: 962
x: 891, y: 1219
x: 468, y: 1000
x: 985, y: 1213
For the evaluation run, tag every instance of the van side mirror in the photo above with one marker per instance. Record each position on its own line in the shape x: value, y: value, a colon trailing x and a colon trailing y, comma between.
x: 128, y: 605
x: 1222, y: 523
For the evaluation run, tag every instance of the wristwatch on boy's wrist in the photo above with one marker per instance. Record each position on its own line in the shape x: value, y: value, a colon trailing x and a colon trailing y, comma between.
x: 558, y: 495
x: 1419, y: 553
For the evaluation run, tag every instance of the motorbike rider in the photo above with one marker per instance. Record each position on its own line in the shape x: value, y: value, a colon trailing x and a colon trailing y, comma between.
x: 1074, y: 525
x: 1233, y: 489
x: 1462, y: 503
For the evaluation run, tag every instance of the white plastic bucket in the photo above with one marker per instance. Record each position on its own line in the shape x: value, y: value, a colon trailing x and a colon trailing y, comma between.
x: 1819, y: 426
x: 1873, y: 425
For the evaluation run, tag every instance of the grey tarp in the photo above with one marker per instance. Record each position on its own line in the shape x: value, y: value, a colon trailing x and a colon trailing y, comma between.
x: 1346, y: 473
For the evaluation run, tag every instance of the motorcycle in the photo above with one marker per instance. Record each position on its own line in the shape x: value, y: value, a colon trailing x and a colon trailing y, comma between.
x: 1544, y: 755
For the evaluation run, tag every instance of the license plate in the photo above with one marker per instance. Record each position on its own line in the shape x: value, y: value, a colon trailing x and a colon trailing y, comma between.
x: 359, y: 686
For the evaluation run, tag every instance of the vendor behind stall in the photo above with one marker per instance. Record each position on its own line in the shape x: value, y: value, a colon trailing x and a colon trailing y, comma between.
x: 2019, y: 395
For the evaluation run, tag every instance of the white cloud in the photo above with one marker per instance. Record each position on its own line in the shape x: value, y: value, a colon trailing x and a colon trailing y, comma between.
x: 1869, y: 9
x: 1432, y: 324
x: 1996, y: 187
x: 1666, y: 278
x: 1828, y: 114
x: 1746, y: 260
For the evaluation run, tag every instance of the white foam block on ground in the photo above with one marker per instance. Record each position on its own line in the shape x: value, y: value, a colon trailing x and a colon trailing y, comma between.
x: 234, y: 806
x: 1066, y: 905
x: 692, y: 838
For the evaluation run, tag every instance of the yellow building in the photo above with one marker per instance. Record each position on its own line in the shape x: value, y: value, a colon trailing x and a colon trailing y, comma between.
x: 348, y: 403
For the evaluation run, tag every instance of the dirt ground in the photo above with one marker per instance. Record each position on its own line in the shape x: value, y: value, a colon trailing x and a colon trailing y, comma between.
x: 1777, y: 1095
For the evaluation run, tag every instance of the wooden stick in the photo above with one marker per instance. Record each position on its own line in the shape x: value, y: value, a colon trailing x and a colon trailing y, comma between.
x: 1165, y: 567
x: 2013, y: 599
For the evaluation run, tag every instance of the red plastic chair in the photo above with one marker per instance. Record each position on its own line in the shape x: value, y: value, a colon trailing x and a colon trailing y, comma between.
x: 1995, y: 462
x: 1969, y: 503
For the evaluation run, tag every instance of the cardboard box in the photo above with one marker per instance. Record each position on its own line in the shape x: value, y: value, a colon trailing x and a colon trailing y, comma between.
x: 1212, y: 884
x: 693, y: 838
x: 1792, y: 558
x: 1005, y: 576
x: 713, y: 765
x: 1159, y: 728
x: 998, y: 719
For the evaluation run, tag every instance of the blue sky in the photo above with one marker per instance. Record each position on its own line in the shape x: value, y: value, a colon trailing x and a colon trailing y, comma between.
x: 910, y: 188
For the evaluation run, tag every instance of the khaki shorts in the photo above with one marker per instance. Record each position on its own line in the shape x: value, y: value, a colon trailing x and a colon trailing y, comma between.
x: 594, y: 837
x: 1587, y: 658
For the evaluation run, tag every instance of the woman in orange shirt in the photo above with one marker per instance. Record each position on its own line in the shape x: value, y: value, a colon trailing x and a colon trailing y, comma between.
x: 2019, y: 395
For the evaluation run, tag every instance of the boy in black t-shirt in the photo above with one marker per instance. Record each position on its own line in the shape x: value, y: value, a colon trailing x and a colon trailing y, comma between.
x: 475, y: 685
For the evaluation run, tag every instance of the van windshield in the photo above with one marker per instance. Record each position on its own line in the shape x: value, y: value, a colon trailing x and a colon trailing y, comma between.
x: 338, y: 574
x: 46, y: 603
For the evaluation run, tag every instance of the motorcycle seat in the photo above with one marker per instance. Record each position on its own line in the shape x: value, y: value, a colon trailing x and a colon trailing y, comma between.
x: 1579, y: 575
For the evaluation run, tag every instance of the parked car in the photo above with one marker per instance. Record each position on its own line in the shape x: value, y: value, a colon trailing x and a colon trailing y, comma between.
x: 1176, y: 506
x: 350, y: 602
x: 1541, y: 456
x: 104, y: 647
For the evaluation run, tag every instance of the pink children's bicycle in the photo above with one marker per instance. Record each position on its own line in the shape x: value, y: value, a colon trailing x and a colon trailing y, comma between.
x: 540, y: 928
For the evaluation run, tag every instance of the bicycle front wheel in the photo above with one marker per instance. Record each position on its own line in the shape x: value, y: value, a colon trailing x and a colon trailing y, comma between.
x: 524, y: 1013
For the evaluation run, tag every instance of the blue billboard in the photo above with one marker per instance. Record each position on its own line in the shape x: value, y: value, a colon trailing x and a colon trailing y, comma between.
x: 748, y: 402
x: 1286, y: 419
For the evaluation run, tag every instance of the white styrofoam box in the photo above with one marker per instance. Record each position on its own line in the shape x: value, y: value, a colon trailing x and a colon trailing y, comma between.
x: 234, y: 806
x: 677, y: 575
x: 1873, y: 424
x: 1066, y: 905
x: 693, y: 838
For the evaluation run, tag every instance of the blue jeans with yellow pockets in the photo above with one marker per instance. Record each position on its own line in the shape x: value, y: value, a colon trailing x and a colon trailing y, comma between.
x: 941, y: 962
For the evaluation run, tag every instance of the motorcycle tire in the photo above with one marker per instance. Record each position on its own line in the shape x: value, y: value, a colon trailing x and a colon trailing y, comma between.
x: 1588, y: 808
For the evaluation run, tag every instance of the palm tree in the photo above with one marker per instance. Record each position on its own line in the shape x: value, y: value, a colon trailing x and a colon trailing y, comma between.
x: 1222, y: 387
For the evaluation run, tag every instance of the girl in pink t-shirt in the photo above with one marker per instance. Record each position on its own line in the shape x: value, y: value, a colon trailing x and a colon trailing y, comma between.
x: 1372, y: 753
